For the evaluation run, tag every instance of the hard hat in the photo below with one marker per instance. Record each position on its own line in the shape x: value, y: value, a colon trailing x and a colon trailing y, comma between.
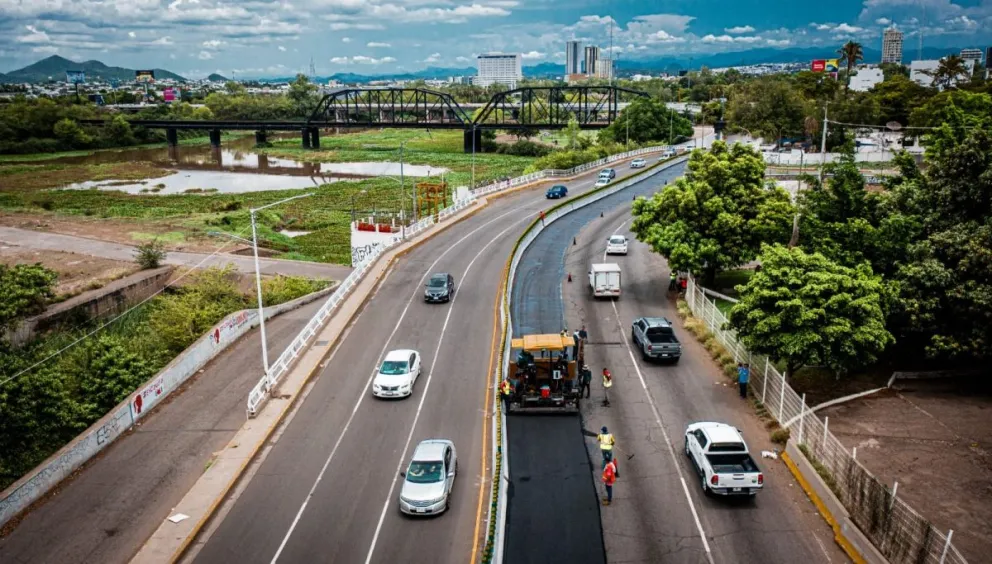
x: 604, y: 428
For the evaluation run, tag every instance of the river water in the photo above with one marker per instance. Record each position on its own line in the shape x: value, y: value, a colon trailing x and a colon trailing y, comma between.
x: 232, y: 168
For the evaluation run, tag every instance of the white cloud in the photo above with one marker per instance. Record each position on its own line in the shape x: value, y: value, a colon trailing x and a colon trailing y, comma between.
x: 845, y: 28
x: 164, y: 40
x: 883, y: 21
x: 363, y: 60
x: 821, y: 27
x: 462, y: 59
x: 779, y: 42
x: 377, y: 44
x: 339, y: 60
x: 717, y: 39
x: 281, y: 48
x: 345, y: 40
x: 433, y: 58
x: 533, y: 55
x: 213, y: 43
x: 49, y: 49
x: 362, y: 27
x: 739, y: 29
x: 131, y: 34
x: 205, y: 55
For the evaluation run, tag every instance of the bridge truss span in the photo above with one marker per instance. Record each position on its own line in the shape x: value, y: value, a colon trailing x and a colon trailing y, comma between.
x: 551, y: 107
x: 389, y: 107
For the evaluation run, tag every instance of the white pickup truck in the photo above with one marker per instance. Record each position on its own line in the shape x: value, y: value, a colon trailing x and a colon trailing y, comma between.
x: 722, y: 460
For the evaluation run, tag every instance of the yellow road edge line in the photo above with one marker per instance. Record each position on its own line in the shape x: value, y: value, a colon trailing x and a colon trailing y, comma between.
x: 839, y: 537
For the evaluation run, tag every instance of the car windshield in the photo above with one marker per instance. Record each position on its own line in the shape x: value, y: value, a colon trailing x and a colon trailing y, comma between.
x: 425, y: 472
x: 617, y: 240
x: 393, y: 367
x: 437, y: 283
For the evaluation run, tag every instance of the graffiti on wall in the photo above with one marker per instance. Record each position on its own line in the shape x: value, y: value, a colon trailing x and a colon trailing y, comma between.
x: 361, y: 254
x: 230, y: 325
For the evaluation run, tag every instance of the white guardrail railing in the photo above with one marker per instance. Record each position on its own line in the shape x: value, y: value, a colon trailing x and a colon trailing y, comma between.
x: 507, y: 327
x: 260, y: 393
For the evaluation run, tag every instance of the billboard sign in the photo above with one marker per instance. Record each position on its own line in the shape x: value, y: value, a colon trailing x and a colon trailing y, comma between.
x: 144, y: 75
x: 169, y: 95
x: 75, y: 76
x: 825, y: 65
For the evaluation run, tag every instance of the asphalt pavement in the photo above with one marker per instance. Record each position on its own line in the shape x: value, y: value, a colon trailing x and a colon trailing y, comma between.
x: 553, y: 509
x: 107, y: 510
x: 659, y: 512
x: 326, y: 488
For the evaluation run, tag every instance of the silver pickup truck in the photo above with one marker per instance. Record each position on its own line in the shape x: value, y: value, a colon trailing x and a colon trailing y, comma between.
x: 722, y: 460
x: 656, y: 338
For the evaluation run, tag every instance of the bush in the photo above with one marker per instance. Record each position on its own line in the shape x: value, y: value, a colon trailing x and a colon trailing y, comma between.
x: 781, y: 436
x: 150, y: 255
x: 282, y: 289
x: 181, y: 318
x: 26, y: 289
x: 524, y: 148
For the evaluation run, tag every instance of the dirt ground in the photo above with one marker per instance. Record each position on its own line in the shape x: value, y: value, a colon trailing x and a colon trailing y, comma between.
x: 933, y: 437
x: 115, y: 230
x: 77, y: 273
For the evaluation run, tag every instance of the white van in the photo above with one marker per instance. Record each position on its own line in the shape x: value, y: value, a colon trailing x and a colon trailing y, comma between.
x: 604, y: 280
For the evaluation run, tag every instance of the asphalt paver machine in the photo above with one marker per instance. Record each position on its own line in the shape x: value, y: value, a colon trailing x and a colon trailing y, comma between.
x: 544, y: 376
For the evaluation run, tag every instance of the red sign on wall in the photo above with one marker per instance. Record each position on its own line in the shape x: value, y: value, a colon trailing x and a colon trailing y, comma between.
x: 819, y: 65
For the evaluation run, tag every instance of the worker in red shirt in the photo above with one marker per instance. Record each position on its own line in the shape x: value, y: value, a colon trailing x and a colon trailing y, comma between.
x: 609, y: 478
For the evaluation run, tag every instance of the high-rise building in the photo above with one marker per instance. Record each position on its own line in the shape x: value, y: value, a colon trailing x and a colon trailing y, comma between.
x: 971, y: 54
x: 499, y: 68
x: 604, y: 69
x: 573, y: 58
x: 892, y: 46
x: 592, y: 57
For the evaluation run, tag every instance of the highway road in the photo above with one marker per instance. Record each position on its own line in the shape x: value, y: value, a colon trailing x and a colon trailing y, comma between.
x: 659, y: 513
x: 326, y: 489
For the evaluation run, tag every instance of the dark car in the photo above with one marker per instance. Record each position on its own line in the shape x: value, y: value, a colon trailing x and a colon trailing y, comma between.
x: 440, y: 288
x: 555, y: 192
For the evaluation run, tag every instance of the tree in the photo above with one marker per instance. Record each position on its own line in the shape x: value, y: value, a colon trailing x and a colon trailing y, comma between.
x: 768, y: 108
x: 113, y: 370
x: 805, y: 309
x: 303, y: 96
x: 572, y: 133
x: 118, y: 131
x: 234, y: 88
x: 71, y: 135
x: 150, y: 255
x: 646, y: 120
x: 851, y: 53
x: 948, y: 72
x: 953, y: 107
x: 26, y: 290
x: 717, y: 215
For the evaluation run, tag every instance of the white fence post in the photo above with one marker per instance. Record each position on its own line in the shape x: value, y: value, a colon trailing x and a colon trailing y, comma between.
x: 854, y: 453
x: 764, y: 382
x: 895, y: 488
x: 826, y: 421
x: 802, y: 418
x: 781, y: 401
x: 947, y: 545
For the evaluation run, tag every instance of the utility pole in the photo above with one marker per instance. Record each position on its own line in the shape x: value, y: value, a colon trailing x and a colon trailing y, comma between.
x: 823, y: 143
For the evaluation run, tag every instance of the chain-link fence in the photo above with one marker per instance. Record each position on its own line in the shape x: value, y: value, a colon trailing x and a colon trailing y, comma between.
x: 900, y: 533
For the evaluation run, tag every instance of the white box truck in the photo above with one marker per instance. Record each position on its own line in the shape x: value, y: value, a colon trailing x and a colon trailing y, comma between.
x: 604, y: 279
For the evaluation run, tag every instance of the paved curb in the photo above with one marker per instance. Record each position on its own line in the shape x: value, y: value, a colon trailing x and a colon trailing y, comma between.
x: 846, y: 533
x: 171, y: 540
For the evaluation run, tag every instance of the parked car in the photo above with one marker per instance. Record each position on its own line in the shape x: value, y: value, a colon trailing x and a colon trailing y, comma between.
x: 638, y: 163
x: 616, y: 245
x: 608, y: 173
x: 397, y: 375
x: 430, y: 478
x: 556, y: 191
x: 656, y: 338
x: 440, y: 288
x: 603, y: 181
x: 722, y: 460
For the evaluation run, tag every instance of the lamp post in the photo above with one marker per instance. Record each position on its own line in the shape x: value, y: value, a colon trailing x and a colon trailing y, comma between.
x: 258, y: 271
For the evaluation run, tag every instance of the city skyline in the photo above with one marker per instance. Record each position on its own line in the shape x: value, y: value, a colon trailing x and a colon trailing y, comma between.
x: 199, y: 37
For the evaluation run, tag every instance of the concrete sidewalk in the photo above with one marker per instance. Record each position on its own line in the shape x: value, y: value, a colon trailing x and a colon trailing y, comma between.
x: 44, y: 241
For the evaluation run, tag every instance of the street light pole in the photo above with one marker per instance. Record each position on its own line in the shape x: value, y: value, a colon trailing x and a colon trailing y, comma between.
x: 473, y: 157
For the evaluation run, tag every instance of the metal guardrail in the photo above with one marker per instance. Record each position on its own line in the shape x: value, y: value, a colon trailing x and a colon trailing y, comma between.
x: 901, y: 534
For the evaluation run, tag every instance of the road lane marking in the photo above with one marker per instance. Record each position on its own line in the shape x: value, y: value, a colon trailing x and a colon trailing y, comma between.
x: 364, y: 392
x: 658, y: 420
x: 423, y: 395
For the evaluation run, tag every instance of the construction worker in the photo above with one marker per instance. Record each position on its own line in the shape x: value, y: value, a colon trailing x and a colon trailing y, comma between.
x: 609, y: 478
x: 607, y: 384
x: 585, y: 380
x: 606, y: 442
x: 504, y: 392
x: 672, y: 280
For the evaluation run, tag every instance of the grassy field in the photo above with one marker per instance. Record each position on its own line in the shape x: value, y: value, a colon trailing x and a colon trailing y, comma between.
x: 39, y: 157
x: 29, y: 189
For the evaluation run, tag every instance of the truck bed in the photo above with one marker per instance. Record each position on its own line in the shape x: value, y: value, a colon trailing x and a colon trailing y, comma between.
x: 732, y: 463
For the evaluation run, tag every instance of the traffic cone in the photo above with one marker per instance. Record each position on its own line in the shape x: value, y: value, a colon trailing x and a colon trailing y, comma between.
x: 600, y: 214
x: 569, y: 276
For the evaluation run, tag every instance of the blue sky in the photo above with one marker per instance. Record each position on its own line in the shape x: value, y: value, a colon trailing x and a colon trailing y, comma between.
x: 278, y: 37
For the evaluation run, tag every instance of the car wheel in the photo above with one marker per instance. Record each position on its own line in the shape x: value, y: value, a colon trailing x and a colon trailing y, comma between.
x: 644, y: 355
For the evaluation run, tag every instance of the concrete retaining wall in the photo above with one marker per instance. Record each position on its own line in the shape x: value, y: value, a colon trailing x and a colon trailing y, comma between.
x: 63, y: 463
x: 104, y: 302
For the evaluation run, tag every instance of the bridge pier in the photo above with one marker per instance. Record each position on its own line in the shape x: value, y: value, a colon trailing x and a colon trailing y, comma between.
x: 468, y: 140
x: 260, y: 139
x: 215, y: 138
x: 314, y: 138
x: 172, y: 136
x: 306, y: 137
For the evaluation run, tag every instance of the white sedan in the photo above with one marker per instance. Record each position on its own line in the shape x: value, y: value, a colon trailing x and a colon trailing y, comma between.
x: 638, y: 163
x: 603, y: 181
x: 397, y: 375
x: 616, y: 245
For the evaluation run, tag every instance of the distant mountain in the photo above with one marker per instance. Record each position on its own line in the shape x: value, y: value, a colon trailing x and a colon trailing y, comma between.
x: 545, y: 70
x: 217, y: 78
x: 55, y: 67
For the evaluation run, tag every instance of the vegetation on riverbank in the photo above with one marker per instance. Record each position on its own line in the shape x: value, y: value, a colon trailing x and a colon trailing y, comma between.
x: 43, y: 407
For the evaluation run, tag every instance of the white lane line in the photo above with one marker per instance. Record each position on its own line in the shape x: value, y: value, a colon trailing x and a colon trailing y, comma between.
x: 364, y: 391
x: 661, y: 425
x: 423, y: 395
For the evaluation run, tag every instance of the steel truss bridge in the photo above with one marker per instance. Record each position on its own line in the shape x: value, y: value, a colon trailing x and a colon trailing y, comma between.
x: 551, y: 107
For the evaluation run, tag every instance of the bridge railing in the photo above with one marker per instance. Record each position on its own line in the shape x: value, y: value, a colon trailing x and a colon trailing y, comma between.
x: 282, y: 365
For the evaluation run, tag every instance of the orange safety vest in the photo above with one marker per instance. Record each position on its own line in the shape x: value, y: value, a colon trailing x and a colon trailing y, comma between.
x: 610, y: 473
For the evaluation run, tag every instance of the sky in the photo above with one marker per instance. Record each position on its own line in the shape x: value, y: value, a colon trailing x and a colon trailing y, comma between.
x: 253, y: 38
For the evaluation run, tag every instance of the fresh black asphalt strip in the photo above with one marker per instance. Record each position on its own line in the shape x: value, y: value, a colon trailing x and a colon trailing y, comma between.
x: 553, y: 506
